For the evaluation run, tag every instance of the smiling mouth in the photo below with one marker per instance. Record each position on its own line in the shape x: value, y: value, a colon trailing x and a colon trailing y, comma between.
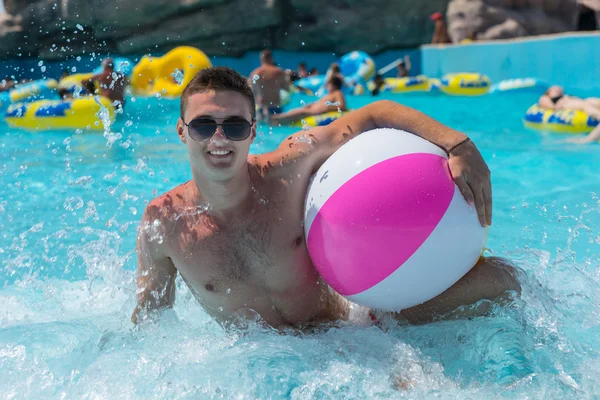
x: 220, y: 153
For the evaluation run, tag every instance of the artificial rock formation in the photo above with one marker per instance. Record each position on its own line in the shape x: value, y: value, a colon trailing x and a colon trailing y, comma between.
x: 502, y: 19
x: 57, y: 29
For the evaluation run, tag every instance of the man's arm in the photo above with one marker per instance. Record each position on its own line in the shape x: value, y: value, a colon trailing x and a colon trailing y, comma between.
x: 469, y: 170
x: 155, y: 274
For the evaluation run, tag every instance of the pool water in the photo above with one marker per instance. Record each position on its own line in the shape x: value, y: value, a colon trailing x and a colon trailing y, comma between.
x: 70, y: 204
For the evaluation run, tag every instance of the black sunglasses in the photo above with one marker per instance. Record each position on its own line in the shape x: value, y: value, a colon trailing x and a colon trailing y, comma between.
x: 235, y: 129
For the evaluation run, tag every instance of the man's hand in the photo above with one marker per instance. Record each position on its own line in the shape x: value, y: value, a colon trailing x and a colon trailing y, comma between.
x: 472, y: 176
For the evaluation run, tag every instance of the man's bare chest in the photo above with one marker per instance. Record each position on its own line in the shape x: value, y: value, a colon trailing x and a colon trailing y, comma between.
x: 266, y: 252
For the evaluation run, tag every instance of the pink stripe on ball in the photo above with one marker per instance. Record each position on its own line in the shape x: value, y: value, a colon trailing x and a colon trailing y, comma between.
x: 376, y: 221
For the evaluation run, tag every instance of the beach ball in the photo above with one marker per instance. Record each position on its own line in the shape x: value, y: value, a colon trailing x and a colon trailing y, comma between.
x: 385, y: 225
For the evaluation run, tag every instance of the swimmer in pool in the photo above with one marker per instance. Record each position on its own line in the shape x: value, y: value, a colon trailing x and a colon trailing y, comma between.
x: 111, y: 83
x: 556, y: 99
x: 271, y: 79
x: 234, y: 231
x: 333, y: 101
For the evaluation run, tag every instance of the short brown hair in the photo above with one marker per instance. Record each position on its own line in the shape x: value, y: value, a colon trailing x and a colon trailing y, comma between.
x: 217, y: 78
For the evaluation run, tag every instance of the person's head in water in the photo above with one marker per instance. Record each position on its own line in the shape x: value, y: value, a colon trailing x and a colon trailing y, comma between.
x: 335, y: 68
x: 108, y: 64
x: 314, y: 71
x: 217, y: 123
x: 302, y: 69
x: 335, y: 83
x: 555, y: 92
x: 266, y: 57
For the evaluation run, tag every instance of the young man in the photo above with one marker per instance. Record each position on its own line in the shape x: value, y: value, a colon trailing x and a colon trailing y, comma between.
x: 333, y: 101
x: 234, y: 232
x: 266, y: 88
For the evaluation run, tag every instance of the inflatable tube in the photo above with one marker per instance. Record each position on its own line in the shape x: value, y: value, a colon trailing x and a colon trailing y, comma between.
x: 312, y: 83
x: 319, y: 120
x: 122, y: 65
x: 560, y: 121
x: 168, y: 75
x: 403, y: 85
x: 357, y: 67
x: 81, y: 113
x: 510, y: 85
x: 33, y: 90
x: 465, y: 84
x: 384, y: 239
x: 72, y: 83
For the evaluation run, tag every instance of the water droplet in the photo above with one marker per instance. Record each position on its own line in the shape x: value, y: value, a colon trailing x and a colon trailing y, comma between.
x: 221, y: 309
x: 228, y: 291
x: 178, y: 76
x: 40, y: 63
x: 255, y: 78
x: 79, y: 27
x: 128, y: 123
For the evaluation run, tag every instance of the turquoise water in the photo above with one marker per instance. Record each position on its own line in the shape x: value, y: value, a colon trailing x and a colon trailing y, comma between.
x: 69, y: 208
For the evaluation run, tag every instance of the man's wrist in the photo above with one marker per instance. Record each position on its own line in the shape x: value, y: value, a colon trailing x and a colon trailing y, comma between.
x: 461, y: 143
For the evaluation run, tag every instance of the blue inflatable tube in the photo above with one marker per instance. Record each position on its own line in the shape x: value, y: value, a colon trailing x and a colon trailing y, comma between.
x: 312, y: 83
x: 357, y: 67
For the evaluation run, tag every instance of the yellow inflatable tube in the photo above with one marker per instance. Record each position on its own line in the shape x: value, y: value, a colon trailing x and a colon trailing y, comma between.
x: 83, y: 113
x: 404, y: 85
x: 560, y: 121
x: 168, y: 75
x: 466, y: 84
x: 319, y: 120
x: 72, y: 83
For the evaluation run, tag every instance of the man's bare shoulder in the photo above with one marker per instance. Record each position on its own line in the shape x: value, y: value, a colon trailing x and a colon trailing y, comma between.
x: 287, y: 160
x: 167, y: 205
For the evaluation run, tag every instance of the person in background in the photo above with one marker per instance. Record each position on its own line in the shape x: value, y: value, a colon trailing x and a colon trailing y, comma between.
x: 302, y: 71
x: 313, y: 71
x: 111, y: 83
x: 555, y: 99
x: 404, y: 68
x: 7, y: 84
x: 379, y: 83
x: 334, y: 71
x: 440, y: 33
x: 551, y: 97
x: 333, y: 101
x: 266, y: 82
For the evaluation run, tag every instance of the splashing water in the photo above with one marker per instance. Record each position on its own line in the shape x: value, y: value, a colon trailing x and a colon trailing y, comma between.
x: 332, y: 104
x: 178, y: 76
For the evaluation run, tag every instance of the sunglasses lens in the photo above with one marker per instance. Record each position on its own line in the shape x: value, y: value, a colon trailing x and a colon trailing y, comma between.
x: 202, y: 129
x: 236, y: 130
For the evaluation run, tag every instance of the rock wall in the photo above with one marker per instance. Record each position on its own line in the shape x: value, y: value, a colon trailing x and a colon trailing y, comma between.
x: 54, y: 29
x: 502, y: 19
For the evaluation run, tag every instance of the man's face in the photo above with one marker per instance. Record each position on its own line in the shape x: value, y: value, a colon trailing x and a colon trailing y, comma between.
x: 217, y: 158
